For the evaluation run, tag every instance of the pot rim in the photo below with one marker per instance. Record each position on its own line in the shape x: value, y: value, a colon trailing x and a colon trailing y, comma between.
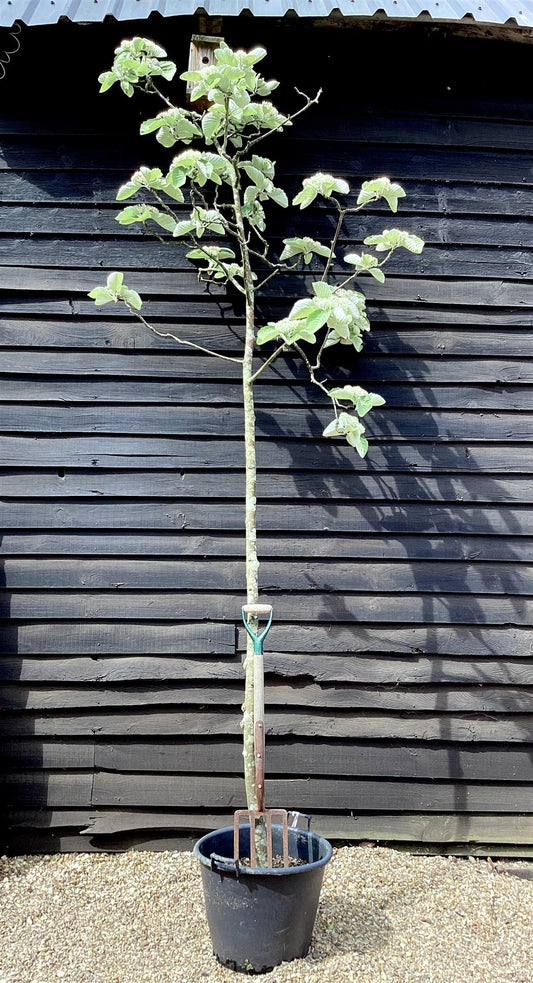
x: 228, y: 865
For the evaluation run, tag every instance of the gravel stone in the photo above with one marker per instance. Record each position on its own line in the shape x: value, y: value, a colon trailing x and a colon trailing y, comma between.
x: 385, y: 917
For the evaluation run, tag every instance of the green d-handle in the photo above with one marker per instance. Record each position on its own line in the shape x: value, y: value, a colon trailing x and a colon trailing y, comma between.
x: 257, y: 609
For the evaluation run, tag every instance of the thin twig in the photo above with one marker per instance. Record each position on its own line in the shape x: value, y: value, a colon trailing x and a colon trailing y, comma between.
x: 180, y: 341
x: 287, y: 119
x: 352, y: 276
x: 268, y: 362
x: 340, y: 220
x: 312, y: 376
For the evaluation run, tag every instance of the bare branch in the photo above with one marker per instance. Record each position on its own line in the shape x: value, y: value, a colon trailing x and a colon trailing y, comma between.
x: 268, y: 362
x: 180, y: 341
x: 288, y: 119
x: 312, y: 376
x: 340, y: 220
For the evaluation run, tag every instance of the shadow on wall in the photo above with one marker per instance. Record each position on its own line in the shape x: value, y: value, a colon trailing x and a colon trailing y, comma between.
x: 426, y: 529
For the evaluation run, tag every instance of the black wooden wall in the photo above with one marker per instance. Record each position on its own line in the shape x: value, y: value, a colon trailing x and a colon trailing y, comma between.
x: 399, y: 686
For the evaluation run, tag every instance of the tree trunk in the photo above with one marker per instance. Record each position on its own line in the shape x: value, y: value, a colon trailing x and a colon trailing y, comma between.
x: 252, y: 562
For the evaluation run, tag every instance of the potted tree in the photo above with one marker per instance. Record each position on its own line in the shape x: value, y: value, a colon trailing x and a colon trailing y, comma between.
x: 216, y: 197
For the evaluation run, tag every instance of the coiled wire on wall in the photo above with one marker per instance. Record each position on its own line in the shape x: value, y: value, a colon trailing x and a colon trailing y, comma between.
x: 12, y: 48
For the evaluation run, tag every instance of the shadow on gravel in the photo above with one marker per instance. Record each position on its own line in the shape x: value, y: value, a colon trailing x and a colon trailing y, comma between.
x: 345, y: 925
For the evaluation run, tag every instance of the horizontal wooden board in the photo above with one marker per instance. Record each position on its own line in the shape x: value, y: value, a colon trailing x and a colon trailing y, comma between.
x: 447, y: 261
x: 178, y: 453
x: 426, y: 828
x: 36, y: 754
x: 416, y: 517
x: 474, y: 166
x: 216, y: 575
x: 355, y: 638
x: 100, y: 789
x: 40, y: 788
x: 211, y: 421
x: 311, y: 793
x: 482, y: 698
x: 401, y: 338
x: 413, y: 289
x: 421, y: 828
x: 200, y: 308
x: 99, y: 638
x: 343, y: 546
x: 290, y: 757
x: 479, y: 166
x: 96, y: 188
x: 375, y: 125
x: 88, y: 228
x: 359, y: 609
x: 417, y: 130
x: 325, y: 485
x: 464, y: 728
x: 404, y: 369
x: 301, y: 668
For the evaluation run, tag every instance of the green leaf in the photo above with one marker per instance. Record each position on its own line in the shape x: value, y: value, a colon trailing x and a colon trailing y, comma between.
x: 305, y: 197
x: 278, y: 195
x: 359, y: 397
x: 316, y: 319
x: 322, y: 289
x: 255, y: 174
x: 413, y: 243
x: 149, y: 125
x: 166, y: 221
x: 115, y: 281
x: 183, y: 228
x: 216, y: 252
x: 391, y: 239
x: 349, y: 393
x: 175, y: 193
x: 323, y: 184
x: 268, y: 333
x: 101, y: 296
x: 167, y: 69
x: 131, y: 297
x: 127, y: 190
x: 347, y: 425
x: 305, y: 246
x: 133, y: 213
x: 210, y: 125
x: 381, y: 187
x: 358, y: 441
x: 191, y: 76
x: 107, y: 79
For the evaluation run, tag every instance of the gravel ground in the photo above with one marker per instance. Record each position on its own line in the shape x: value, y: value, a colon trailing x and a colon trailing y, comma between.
x: 384, y: 917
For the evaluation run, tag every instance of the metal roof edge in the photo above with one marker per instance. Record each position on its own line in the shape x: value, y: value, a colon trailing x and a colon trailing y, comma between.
x: 513, y: 14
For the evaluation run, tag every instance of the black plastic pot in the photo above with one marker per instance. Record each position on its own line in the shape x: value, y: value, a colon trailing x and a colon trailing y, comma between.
x: 259, y: 917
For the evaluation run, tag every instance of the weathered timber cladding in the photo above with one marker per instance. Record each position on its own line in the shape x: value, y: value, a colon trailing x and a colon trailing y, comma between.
x: 399, y: 682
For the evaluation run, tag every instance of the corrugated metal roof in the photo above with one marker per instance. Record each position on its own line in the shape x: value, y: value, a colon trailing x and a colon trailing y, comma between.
x: 33, y: 12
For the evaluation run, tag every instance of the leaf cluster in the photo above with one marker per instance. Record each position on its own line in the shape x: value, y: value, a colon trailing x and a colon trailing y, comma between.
x: 136, y: 62
x: 225, y: 186
x: 114, y: 291
x: 341, y: 311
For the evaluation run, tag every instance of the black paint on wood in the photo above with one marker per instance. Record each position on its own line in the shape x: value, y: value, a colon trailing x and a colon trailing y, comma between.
x: 399, y: 665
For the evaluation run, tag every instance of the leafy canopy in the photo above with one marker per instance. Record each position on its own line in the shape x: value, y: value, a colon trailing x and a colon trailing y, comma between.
x: 219, y: 187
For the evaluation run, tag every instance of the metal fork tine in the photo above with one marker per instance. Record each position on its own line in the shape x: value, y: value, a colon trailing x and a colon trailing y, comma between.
x: 285, y: 841
x: 268, y: 817
x: 252, y: 817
